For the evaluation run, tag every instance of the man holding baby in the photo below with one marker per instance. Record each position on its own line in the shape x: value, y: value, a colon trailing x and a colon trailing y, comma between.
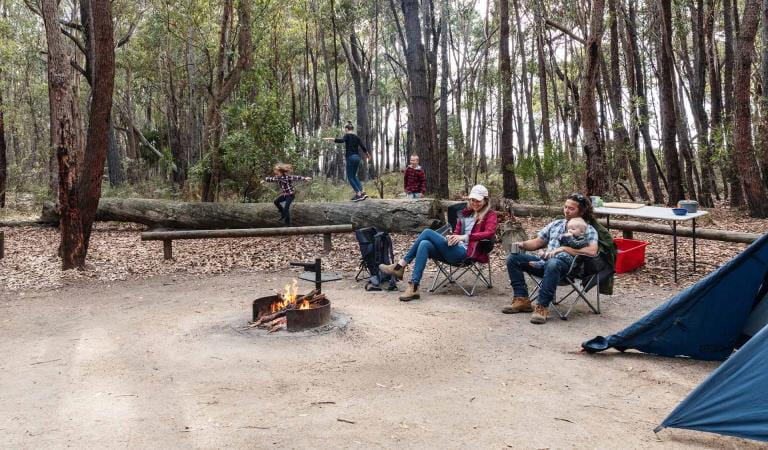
x: 558, y: 243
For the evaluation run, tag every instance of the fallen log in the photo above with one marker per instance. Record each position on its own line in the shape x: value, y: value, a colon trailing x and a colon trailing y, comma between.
x: 656, y: 228
x: 389, y: 215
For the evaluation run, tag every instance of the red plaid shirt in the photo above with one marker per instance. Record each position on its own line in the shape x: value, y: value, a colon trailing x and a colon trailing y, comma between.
x: 415, y: 180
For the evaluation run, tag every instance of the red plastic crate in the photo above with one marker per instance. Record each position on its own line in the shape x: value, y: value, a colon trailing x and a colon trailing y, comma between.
x: 631, y: 254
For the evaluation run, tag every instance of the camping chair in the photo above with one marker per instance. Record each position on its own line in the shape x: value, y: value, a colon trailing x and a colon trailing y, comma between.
x: 584, y: 274
x: 452, y: 273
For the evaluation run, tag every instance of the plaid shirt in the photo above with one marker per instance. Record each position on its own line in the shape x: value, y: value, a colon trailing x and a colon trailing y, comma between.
x: 553, y: 232
x: 415, y: 180
x: 285, y: 183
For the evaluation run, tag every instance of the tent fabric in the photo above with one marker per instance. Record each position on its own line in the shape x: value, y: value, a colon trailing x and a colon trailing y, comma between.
x: 706, y: 320
x: 732, y: 400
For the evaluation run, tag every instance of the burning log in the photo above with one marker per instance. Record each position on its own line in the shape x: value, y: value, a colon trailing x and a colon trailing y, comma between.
x: 276, y: 318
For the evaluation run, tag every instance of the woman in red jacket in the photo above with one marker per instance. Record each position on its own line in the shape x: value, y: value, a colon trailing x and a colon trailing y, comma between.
x: 475, y: 223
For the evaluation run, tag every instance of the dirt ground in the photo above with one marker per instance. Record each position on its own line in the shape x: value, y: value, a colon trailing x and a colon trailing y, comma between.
x: 160, y: 363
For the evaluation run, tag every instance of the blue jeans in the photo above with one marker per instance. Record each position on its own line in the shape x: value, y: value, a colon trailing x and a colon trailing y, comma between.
x: 431, y: 244
x: 353, y: 163
x: 551, y: 273
x: 285, y: 210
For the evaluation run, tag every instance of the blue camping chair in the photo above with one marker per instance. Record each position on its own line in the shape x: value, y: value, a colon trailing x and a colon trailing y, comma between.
x: 585, y: 273
x: 475, y: 270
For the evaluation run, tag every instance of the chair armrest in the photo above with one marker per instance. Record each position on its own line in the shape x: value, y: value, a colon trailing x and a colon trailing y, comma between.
x: 584, y: 265
x: 485, y: 246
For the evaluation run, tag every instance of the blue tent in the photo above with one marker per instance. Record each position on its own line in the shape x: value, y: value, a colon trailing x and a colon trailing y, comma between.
x: 707, y: 320
x: 733, y: 400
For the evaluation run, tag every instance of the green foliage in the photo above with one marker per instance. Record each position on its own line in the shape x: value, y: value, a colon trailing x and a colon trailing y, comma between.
x: 262, y: 139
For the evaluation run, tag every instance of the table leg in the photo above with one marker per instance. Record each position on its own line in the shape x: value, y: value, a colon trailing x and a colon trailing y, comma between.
x: 608, y: 222
x: 694, y: 245
x: 674, y: 247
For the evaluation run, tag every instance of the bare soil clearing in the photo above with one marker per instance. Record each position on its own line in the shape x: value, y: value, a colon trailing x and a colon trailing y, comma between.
x: 161, y: 363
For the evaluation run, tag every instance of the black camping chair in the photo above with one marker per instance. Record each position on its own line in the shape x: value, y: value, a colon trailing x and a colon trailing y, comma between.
x: 452, y: 273
x: 585, y: 273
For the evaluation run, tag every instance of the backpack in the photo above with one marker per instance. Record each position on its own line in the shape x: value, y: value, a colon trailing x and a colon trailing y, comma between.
x: 376, y: 248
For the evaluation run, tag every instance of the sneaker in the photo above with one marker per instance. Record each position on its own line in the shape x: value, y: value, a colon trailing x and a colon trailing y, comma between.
x: 389, y: 269
x: 539, y: 315
x: 357, y: 198
x: 519, y: 304
x: 363, y: 196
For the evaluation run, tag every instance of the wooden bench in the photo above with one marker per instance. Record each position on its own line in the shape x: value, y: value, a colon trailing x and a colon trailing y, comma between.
x: 169, y: 236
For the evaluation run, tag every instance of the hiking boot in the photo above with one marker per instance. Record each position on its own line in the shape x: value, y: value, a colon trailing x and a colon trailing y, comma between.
x: 411, y: 293
x: 539, y: 315
x: 389, y: 269
x: 519, y: 304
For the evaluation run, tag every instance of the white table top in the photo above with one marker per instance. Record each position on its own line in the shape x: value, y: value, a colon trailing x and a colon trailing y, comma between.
x: 649, y: 212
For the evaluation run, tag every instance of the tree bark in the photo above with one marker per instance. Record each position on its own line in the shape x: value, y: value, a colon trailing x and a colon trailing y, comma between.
x: 593, y: 146
x: 667, y: 106
x: 3, y: 156
x: 423, y: 121
x: 505, y: 72
x: 80, y: 169
x: 223, y: 84
x: 390, y: 215
x: 735, y: 193
x: 744, y: 151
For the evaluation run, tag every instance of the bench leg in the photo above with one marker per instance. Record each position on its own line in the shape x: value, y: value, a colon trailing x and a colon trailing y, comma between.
x: 327, y: 245
x: 2, y: 244
x: 168, y: 249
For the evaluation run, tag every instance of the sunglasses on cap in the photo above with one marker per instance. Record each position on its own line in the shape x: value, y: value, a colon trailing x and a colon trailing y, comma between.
x: 578, y: 198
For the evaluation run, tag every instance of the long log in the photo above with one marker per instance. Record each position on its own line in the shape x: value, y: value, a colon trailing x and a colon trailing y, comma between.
x: 656, y: 228
x: 244, y: 232
x: 389, y: 215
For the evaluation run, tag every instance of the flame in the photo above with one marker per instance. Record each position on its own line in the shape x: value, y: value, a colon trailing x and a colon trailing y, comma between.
x: 288, y: 297
x: 304, y: 304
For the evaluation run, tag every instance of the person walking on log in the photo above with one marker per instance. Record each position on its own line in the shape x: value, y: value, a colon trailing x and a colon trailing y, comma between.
x: 352, y: 146
x: 475, y: 223
x: 287, y: 194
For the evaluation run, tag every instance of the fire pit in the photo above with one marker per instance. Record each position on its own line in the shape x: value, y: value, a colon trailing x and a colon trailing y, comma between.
x: 294, y: 312
x: 277, y: 312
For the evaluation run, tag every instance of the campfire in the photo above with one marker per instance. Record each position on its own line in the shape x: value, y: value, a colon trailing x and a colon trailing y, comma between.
x: 290, y: 311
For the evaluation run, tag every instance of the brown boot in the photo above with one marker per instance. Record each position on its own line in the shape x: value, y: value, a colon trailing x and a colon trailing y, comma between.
x: 519, y: 304
x: 412, y: 293
x: 389, y: 269
x: 539, y: 315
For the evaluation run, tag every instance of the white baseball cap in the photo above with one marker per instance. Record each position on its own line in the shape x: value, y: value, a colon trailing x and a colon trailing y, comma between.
x: 478, y: 192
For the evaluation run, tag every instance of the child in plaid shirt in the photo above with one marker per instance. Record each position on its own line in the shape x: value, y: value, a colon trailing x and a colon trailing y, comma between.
x: 287, y: 194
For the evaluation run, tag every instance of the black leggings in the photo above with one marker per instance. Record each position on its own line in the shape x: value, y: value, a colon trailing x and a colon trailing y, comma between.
x: 285, y: 211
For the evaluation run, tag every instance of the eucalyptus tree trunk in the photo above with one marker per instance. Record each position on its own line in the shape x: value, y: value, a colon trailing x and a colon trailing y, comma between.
x: 620, y: 133
x: 223, y: 83
x: 744, y: 151
x: 544, y: 103
x: 715, y: 99
x: 762, y: 142
x: 3, y: 156
x: 697, y: 76
x: 505, y: 72
x: 423, y: 120
x: 641, y: 105
x: 593, y: 146
x: 735, y: 193
x: 667, y: 106
x: 442, y: 143
x: 80, y: 166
